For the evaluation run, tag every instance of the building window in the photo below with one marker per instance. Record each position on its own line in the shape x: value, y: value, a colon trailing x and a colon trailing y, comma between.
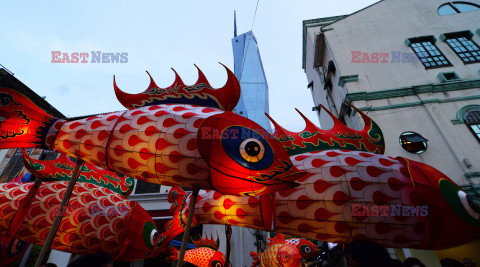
x: 472, y: 120
x: 331, y: 68
x: 464, y: 46
x: 413, y: 142
x: 48, y: 155
x: 310, y: 85
x: 457, y: 7
x: 328, y: 84
x: 428, y: 53
x: 143, y: 187
x: 450, y: 76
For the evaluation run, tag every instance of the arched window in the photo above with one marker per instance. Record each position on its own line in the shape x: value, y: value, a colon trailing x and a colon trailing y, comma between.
x: 457, y: 7
x: 472, y: 120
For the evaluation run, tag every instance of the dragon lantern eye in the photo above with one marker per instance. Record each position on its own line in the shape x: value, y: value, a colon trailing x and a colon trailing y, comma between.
x: 150, y: 233
x: 153, y: 236
x: 306, y: 249
x: 247, y: 147
x: 252, y: 150
x: 464, y: 205
x: 15, y: 247
x: 470, y: 205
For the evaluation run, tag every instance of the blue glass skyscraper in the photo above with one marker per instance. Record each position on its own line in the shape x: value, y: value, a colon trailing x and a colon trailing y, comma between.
x: 248, y: 68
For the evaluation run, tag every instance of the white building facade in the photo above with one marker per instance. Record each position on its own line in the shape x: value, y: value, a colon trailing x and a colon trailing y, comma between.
x: 414, y: 67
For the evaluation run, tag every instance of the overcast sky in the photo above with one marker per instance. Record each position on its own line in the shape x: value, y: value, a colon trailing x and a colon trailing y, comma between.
x: 157, y: 35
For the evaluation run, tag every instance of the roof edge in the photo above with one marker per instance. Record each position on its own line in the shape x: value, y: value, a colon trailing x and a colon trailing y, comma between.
x: 313, y: 23
x: 326, y: 21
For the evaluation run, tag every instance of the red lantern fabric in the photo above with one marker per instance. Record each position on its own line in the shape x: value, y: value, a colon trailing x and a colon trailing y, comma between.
x: 279, y: 253
x: 353, y: 195
x: 205, y: 255
x: 325, y: 185
x: 307, y: 249
x: 96, y: 220
x: 157, y: 143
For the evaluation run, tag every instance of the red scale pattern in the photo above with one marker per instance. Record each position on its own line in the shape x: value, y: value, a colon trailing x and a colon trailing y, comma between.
x: 95, y: 220
x: 156, y: 144
x: 227, y: 209
x: 321, y: 206
x: 199, y: 256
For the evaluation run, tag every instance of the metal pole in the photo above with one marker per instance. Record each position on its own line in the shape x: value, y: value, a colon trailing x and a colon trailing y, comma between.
x: 186, y: 234
x: 59, y: 215
x: 228, y: 230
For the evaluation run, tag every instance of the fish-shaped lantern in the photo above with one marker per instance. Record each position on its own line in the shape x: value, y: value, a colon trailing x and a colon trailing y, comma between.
x: 61, y: 169
x: 205, y: 255
x: 279, y: 253
x: 307, y: 249
x: 96, y: 219
x: 333, y: 185
x: 348, y: 195
x: 181, y: 136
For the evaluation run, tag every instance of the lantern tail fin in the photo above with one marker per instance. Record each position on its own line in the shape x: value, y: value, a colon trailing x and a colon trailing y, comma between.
x: 23, y: 123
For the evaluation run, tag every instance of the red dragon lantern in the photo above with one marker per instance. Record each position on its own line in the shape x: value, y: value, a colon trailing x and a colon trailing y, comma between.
x: 332, y: 185
x: 307, y: 249
x: 96, y: 220
x: 205, y: 255
x: 167, y: 137
x: 279, y: 253
x: 348, y: 195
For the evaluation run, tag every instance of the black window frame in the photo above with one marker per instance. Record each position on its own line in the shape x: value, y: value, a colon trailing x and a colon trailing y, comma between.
x: 475, y: 122
x: 328, y: 84
x: 468, y: 37
x: 143, y: 187
x: 419, y: 41
x: 331, y: 68
x: 48, y: 155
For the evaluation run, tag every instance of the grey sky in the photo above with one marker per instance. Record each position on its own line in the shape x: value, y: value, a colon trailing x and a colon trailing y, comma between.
x: 157, y: 35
